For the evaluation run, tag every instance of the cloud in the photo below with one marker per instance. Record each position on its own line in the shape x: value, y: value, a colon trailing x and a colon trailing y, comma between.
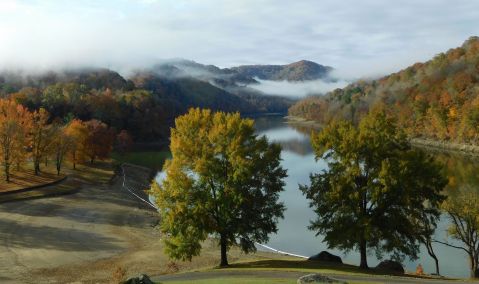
x: 297, y: 89
x: 359, y: 38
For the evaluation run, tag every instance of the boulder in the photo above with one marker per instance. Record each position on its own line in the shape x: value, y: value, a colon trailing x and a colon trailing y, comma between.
x: 326, y: 256
x: 390, y: 266
x: 317, y: 278
x: 142, y: 279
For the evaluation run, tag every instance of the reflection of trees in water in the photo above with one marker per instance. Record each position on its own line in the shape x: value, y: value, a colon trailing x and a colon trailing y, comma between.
x: 298, y: 146
x: 461, y: 171
x: 264, y: 123
x: 293, y: 144
x: 306, y: 129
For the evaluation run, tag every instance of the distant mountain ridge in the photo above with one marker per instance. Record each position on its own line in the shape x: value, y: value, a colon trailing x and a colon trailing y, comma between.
x: 169, y: 88
x: 303, y: 70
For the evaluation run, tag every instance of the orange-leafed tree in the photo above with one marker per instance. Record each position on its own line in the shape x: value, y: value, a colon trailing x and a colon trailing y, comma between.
x: 41, y: 137
x: 15, y: 124
x: 99, y: 141
x: 78, y: 132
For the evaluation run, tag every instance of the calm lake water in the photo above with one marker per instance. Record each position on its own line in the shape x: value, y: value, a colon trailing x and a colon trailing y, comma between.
x: 293, y: 235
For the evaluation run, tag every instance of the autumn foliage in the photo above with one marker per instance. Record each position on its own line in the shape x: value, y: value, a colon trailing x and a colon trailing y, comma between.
x: 30, y: 136
x: 438, y: 99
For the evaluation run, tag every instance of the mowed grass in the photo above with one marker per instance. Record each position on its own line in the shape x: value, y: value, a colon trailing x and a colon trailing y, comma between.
x: 25, y: 178
x: 234, y: 280
x: 99, y: 173
x: 153, y: 160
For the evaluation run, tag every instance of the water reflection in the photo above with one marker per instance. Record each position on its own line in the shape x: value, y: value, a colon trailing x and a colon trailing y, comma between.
x: 298, y: 158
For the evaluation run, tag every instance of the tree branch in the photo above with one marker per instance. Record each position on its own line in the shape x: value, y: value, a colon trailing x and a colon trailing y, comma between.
x: 449, y: 245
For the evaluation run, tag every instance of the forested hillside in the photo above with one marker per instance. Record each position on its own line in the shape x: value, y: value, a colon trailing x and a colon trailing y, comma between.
x: 145, y: 104
x: 297, y: 71
x: 438, y: 99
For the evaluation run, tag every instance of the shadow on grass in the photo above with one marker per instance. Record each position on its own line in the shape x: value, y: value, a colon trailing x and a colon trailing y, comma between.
x: 312, y: 266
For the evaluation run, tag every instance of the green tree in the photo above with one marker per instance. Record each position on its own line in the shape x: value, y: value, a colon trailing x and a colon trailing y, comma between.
x: 376, y: 188
x: 223, y: 180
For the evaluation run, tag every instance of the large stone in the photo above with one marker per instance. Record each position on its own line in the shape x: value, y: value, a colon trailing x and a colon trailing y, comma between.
x: 142, y: 279
x: 326, y: 256
x: 317, y: 278
x: 390, y: 266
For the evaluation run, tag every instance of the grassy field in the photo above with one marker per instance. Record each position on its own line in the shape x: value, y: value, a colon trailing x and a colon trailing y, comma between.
x: 99, y: 173
x: 25, y: 178
x: 284, y: 269
x: 152, y: 160
x: 235, y: 280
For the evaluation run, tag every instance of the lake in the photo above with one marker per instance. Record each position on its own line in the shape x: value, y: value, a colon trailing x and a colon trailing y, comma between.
x: 293, y: 235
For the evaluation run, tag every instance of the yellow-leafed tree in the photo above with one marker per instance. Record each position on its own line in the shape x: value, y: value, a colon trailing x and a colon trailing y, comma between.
x: 223, y: 180
x: 78, y: 132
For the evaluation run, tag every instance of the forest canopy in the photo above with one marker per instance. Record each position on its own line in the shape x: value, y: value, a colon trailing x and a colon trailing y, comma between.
x: 438, y: 99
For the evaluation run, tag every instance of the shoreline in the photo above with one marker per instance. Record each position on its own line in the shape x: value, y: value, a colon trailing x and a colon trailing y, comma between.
x: 442, y: 146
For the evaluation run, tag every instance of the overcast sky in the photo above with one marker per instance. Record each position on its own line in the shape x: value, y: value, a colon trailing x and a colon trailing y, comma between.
x: 359, y: 38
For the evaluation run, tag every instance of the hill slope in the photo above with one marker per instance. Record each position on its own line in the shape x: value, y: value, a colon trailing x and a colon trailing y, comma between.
x: 438, y: 99
x: 298, y: 71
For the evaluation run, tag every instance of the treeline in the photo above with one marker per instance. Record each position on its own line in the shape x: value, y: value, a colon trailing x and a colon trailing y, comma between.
x: 146, y: 116
x: 438, y: 99
x: 32, y: 137
x: 145, y: 104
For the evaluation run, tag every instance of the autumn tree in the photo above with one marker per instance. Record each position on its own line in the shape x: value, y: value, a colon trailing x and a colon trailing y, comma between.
x: 14, y: 126
x: 375, y: 190
x: 78, y: 132
x: 463, y: 210
x: 41, y: 137
x: 223, y: 180
x: 99, y: 140
x: 62, y: 144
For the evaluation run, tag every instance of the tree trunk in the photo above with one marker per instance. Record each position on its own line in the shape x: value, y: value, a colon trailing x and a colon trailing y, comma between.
x: 224, y: 257
x: 473, y: 267
x: 362, y: 250
x: 7, y: 172
x: 37, y: 167
x: 430, y: 251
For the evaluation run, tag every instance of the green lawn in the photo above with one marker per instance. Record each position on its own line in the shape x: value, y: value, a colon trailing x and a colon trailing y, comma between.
x: 235, y: 280
x: 152, y: 160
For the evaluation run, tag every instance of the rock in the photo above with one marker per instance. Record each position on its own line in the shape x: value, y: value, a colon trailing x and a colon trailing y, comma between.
x: 326, y: 256
x: 390, y: 266
x: 132, y: 280
x: 317, y: 278
x: 142, y: 279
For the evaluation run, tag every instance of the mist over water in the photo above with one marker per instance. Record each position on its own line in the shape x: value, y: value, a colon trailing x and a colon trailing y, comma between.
x: 298, y: 89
